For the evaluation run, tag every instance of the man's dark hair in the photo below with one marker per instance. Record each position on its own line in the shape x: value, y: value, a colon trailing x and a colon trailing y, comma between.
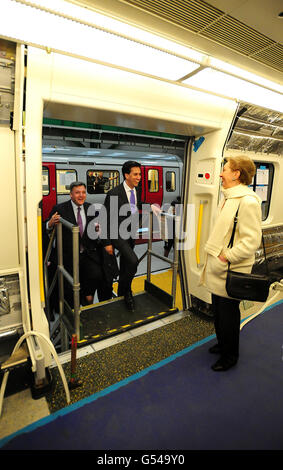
x: 74, y: 184
x: 127, y: 166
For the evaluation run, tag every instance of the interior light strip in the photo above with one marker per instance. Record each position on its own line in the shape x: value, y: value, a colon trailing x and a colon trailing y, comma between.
x: 237, y: 72
x: 34, y: 26
x: 92, y: 18
x: 230, y: 86
x: 66, y: 28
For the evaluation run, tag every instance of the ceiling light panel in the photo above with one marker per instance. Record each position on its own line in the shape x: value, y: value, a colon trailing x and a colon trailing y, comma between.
x: 241, y: 73
x: 232, y: 87
x: 96, y: 19
x: 34, y: 26
x: 101, y: 21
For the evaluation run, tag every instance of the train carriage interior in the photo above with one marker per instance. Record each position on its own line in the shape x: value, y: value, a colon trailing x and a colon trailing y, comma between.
x: 98, y: 147
x: 101, y: 146
x: 69, y: 116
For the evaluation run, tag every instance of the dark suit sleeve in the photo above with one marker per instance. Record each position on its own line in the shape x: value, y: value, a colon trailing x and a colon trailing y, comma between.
x: 105, y: 226
x: 52, y: 212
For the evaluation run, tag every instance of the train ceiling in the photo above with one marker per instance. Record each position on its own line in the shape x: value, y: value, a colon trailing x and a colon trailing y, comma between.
x: 255, y: 129
x: 251, y: 28
x: 246, y: 33
x: 111, y: 32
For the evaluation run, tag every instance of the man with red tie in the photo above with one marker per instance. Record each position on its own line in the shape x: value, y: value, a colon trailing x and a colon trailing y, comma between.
x: 92, y: 275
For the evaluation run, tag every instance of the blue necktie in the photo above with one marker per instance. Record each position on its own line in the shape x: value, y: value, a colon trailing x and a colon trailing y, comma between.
x: 133, y: 202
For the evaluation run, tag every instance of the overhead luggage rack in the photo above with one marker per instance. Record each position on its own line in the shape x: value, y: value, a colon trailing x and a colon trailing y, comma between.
x: 104, y: 319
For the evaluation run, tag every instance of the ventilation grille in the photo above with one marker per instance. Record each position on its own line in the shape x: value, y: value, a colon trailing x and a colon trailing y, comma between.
x: 209, y: 22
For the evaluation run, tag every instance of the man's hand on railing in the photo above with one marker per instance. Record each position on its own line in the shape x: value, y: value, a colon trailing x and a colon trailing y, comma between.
x: 156, y: 209
x: 54, y: 220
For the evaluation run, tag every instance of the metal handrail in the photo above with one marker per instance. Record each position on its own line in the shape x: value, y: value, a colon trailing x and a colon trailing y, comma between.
x: 74, y: 280
x: 151, y: 253
x: 48, y: 290
x: 62, y: 273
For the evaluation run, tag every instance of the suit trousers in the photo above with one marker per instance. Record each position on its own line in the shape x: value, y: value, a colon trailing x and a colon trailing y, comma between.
x: 227, y: 325
x: 128, y: 264
x: 92, y: 278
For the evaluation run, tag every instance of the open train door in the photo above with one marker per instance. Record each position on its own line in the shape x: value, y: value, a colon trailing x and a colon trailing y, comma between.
x: 150, y: 190
x: 48, y: 188
x: 153, y: 178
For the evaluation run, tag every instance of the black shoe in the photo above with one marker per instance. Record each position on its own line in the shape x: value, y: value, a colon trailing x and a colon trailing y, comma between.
x: 223, y: 364
x: 215, y: 349
x: 129, y: 301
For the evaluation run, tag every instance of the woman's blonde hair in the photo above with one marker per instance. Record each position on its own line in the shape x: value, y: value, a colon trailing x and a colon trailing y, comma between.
x: 245, y: 166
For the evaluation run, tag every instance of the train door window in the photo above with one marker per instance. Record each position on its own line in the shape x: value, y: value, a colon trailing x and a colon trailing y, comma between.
x: 63, y: 180
x: 45, y: 181
x: 262, y: 185
x: 153, y: 184
x: 100, y: 182
x: 170, y: 181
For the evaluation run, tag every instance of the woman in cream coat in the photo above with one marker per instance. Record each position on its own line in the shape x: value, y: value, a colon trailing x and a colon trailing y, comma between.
x: 237, y: 174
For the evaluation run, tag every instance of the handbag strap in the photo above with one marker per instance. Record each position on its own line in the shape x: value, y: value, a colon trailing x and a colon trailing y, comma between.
x: 234, y: 229
x: 232, y: 241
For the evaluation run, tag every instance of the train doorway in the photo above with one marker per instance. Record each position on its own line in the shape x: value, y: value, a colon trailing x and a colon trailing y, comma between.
x: 161, y: 157
x: 99, y: 321
x: 49, y: 191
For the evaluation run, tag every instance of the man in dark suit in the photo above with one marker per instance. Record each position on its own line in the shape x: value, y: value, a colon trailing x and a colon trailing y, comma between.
x: 92, y: 275
x: 123, y: 202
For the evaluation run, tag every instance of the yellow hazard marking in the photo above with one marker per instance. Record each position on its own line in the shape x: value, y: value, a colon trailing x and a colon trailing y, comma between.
x: 125, y: 326
x: 96, y: 336
x: 111, y: 331
x: 152, y: 316
x: 40, y: 258
x: 138, y: 321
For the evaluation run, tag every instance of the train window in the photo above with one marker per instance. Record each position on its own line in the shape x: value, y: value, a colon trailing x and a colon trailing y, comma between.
x: 99, y: 182
x: 262, y: 185
x: 63, y: 179
x: 45, y: 181
x: 170, y: 181
x: 153, y: 185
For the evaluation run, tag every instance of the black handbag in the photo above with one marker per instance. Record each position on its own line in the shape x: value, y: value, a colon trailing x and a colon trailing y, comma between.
x: 245, y: 286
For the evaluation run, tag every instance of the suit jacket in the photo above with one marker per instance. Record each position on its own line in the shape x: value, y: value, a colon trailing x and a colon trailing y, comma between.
x: 115, y: 199
x: 93, y: 248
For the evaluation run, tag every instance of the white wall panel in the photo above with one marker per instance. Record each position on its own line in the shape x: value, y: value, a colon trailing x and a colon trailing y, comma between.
x: 9, y: 255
